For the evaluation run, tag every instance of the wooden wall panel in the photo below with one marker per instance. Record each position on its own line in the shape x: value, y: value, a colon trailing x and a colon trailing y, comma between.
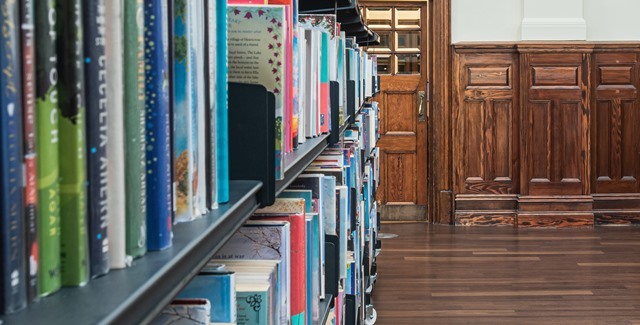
x: 400, y: 178
x: 485, y: 116
x: 616, y: 142
x: 555, y: 123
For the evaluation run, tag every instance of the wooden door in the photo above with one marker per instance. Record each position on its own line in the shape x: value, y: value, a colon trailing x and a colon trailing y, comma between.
x: 403, y: 99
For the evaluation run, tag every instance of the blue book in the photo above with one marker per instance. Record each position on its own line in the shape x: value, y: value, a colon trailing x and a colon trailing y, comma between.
x: 159, y: 198
x: 13, y: 287
x: 217, y: 286
x: 253, y: 303
x: 343, y: 221
x: 314, y: 267
x: 310, y: 261
x: 222, y: 93
x: 95, y: 70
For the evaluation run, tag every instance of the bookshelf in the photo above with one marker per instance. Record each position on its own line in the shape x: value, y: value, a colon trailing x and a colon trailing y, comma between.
x: 325, y: 308
x: 136, y: 294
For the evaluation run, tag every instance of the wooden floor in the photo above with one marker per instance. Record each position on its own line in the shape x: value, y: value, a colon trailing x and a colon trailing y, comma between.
x: 484, y: 275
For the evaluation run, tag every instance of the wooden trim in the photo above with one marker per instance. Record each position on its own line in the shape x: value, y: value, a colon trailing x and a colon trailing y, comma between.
x: 440, y: 113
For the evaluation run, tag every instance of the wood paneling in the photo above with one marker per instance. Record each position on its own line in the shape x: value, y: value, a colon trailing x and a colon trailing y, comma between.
x: 400, y: 171
x: 403, y: 116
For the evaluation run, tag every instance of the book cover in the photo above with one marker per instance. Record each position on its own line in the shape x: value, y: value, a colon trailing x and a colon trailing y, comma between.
x: 74, y: 246
x: 252, y: 303
x: 159, y: 196
x: 116, y: 232
x: 257, y: 39
x: 301, y: 56
x: 313, y: 269
x: 13, y: 289
x: 329, y: 205
x: 95, y: 80
x: 210, y: 102
x: 264, y: 240
x: 342, y: 212
x: 197, y: 89
x: 135, y: 128
x: 185, y: 312
x: 299, y: 194
x: 29, y: 145
x: 222, y: 93
x: 293, y: 211
x: 311, y: 110
x: 217, y: 286
x: 184, y: 148
x: 47, y: 115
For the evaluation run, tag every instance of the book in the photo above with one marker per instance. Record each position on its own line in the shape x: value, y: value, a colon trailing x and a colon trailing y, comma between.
x: 265, y: 240
x: 116, y: 232
x: 74, y: 246
x: 210, y: 102
x: 313, y: 268
x: 159, y: 196
x: 135, y: 129
x: 299, y: 194
x: 293, y: 211
x: 222, y: 93
x: 342, y: 213
x: 185, y: 312
x: 47, y: 133
x: 95, y: 80
x: 13, y: 289
x: 29, y: 145
x: 252, y: 298
x: 261, y: 60
x: 217, y: 285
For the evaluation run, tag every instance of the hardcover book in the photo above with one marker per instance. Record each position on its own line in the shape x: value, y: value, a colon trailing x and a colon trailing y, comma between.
x: 222, y: 93
x: 29, y: 145
x: 95, y: 72
x: 74, y: 248
x: 211, y: 104
x: 115, y: 133
x: 47, y: 149
x: 135, y: 129
x: 185, y: 312
x: 217, y: 286
x: 257, y: 41
x: 13, y: 289
x: 159, y: 197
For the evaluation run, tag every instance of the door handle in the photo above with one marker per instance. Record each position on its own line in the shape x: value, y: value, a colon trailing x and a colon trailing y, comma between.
x: 421, y: 95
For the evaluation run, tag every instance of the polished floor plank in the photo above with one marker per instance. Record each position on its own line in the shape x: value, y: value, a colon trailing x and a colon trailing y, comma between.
x: 483, y: 275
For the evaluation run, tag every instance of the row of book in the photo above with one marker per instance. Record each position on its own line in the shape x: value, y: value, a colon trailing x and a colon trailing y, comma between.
x: 116, y: 114
x: 274, y: 269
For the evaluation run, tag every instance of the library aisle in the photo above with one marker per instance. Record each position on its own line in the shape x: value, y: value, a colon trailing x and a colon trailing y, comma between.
x: 434, y: 274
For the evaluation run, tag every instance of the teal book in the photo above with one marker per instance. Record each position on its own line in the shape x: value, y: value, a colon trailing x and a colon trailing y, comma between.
x: 218, y: 287
x: 185, y: 312
x: 252, y: 303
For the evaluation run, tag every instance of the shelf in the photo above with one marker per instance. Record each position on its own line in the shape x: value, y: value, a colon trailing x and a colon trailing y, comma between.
x: 325, y: 308
x: 345, y: 125
x: 135, y: 295
x: 298, y: 160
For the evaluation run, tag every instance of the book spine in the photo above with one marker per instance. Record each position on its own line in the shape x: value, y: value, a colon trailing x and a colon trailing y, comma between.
x: 183, y: 119
x: 73, y: 193
x: 210, y: 100
x: 198, y: 77
x: 29, y: 146
x: 324, y: 84
x: 222, y: 93
x: 95, y: 78
x: 295, y: 71
x: 13, y: 289
x: 47, y: 114
x: 116, y: 232
x: 159, y: 198
x: 135, y: 132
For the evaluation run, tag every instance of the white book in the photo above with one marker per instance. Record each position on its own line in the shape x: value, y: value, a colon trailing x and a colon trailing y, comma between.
x: 212, y: 153
x: 309, y: 88
x: 200, y: 191
x: 116, y: 231
x: 302, y: 60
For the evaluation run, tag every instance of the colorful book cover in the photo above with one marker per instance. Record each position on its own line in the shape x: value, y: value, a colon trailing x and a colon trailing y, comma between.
x: 13, y: 289
x: 264, y: 240
x: 185, y: 312
x: 252, y: 303
x: 211, y: 100
x: 222, y: 96
x: 74, y: 248
x: 293, y: 211
x: 95, y: 80
x: 47, y: 114
x: 159, y: 197
x: 261, y: 61
x: 327, y: 25
x: 29, y: 145
x: 217, y: 286
x: 184, y: 147
x: 116, y: 232
x: 135, y: 128
x: 301, y: 56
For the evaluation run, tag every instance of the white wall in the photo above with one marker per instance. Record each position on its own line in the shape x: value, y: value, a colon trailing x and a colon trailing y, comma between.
x: 485, y: 20
x: 503, y: 20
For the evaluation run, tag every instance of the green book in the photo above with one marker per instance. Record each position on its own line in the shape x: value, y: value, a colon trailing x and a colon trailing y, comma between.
x: 47, y: 114
x: 134, y: 119
x: 73, y: 192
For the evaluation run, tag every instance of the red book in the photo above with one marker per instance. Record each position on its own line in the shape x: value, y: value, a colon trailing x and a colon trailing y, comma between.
x: 292, y: 210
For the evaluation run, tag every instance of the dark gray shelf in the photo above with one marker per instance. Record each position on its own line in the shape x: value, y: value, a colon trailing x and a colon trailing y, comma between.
x: 135, y: 295
x: 325, y: 307
x: 345, y: 125
x: 298, y: 160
